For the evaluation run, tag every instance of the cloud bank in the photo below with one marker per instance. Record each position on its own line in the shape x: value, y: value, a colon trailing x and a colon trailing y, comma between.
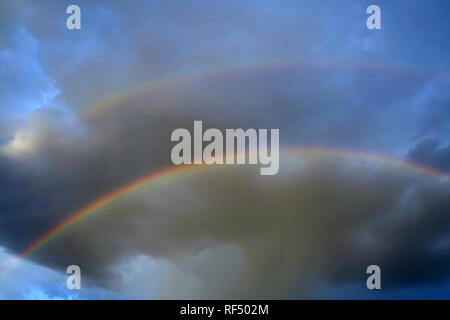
x: 312, y: 70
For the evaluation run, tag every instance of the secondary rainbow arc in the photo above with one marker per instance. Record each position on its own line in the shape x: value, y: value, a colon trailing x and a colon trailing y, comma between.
x: 258, y: 66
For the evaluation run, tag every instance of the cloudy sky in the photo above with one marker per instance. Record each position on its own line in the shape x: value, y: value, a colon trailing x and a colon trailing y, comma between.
x: 83, y: 112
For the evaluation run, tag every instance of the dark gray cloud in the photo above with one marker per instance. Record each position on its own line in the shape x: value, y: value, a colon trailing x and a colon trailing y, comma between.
x: 321, y: 219
x: 337, y: 215
x: 429, y: 152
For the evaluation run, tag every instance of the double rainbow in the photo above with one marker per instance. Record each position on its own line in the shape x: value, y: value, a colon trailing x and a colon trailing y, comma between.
x: 177, y: 172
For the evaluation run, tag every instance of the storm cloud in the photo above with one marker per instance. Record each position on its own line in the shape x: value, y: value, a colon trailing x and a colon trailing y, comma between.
x: 313, y: 71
